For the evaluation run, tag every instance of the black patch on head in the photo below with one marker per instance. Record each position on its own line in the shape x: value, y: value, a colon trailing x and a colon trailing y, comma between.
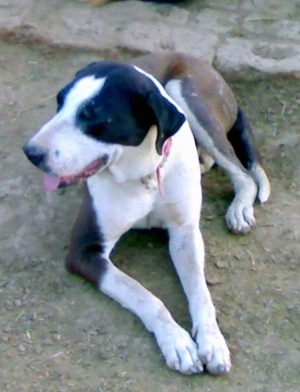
x: 128, y: 104
x: 168, y: 118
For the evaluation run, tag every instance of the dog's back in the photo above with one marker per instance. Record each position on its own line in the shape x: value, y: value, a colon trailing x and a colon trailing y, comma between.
x: 219, y: 126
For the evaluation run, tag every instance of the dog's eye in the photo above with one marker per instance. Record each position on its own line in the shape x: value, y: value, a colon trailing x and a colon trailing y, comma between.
x: 86, y: 113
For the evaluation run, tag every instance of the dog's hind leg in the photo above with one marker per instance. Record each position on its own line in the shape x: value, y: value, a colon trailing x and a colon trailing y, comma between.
x: 210, y: 135
x: 242, y: 141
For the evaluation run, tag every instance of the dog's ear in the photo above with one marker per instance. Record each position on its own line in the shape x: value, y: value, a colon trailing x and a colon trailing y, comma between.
x: 168, y: 118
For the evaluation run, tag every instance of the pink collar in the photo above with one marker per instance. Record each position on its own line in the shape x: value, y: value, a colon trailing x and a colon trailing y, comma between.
x: 166, y: 148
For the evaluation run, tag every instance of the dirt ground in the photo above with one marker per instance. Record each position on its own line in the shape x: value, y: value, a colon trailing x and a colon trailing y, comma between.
x: 58, y: 334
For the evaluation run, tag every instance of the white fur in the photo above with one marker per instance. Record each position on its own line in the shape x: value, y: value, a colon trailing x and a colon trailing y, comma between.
x: 84, y: 89
x: 127, y: 165
x: 176, y: 344
x: 262, y: 181
x: 122, y: 205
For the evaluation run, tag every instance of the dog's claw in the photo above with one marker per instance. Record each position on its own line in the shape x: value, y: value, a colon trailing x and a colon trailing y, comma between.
x: 221, y: 368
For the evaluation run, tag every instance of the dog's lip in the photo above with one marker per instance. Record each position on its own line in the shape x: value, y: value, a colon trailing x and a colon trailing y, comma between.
x: 52, y: 182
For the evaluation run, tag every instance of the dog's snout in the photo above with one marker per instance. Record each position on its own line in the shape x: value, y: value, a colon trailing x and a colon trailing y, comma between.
x: 35, y: 154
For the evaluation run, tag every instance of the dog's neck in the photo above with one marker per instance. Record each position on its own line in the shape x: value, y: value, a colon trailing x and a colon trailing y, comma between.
x: 153, y: 181
x: 138, y: 163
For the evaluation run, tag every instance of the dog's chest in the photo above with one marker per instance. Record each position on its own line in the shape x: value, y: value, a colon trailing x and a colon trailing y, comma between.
x: 151, y: 182
x: 118, y: 206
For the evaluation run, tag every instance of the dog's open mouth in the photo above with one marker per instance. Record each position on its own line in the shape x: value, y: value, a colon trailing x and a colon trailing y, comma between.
x: 53, y: 182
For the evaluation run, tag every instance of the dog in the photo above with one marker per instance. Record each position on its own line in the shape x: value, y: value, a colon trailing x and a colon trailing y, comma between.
x: 131, y: 133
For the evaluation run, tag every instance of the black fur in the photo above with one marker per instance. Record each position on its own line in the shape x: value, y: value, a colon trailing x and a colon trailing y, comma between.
x: 131, y: 99
x: 86, y: 246
x: 242, y: 141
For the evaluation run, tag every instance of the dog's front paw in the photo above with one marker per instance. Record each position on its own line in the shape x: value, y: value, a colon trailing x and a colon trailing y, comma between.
x: 179, y: 350
x: 240, y: 217
x: 212, y: 349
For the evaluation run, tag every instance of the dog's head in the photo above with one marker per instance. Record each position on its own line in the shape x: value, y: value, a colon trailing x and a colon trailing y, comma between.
x: 107, y: 108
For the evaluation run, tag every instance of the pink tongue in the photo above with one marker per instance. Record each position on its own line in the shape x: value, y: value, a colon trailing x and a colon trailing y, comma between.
x: 51, y: 182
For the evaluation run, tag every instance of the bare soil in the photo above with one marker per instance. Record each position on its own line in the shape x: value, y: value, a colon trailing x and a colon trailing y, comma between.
x: 58, y: 334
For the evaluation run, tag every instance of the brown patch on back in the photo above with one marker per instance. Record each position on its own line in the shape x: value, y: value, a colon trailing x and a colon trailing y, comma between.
x: 206, y: 85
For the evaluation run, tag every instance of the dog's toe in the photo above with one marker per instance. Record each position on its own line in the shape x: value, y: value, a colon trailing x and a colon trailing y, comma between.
x: 180, y: 351
x: 213, y: 352
x: 240, y: 218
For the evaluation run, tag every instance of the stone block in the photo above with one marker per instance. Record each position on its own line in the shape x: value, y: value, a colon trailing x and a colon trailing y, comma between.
x: 250, y: 59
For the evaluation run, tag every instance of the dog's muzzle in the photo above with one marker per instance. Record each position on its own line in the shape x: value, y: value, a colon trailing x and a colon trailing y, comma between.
x: 52, y: 181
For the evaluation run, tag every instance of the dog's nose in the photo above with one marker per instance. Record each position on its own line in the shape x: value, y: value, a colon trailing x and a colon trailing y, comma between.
x: 35, y: 154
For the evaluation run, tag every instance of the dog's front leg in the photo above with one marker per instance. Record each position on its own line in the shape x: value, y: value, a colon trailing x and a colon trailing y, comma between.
x: 89, y: 257
x: 187, y: 252
x: 177, y: 346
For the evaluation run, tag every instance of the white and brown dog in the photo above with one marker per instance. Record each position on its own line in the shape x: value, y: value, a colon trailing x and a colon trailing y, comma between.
x: 132, y: 130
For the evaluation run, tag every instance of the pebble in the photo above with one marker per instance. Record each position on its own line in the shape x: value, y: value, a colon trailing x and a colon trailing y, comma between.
x: 22, y: 348
x: 18, y: 302
x: 222, y: 264
x: 213, y: 281
x: 104, y: 354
